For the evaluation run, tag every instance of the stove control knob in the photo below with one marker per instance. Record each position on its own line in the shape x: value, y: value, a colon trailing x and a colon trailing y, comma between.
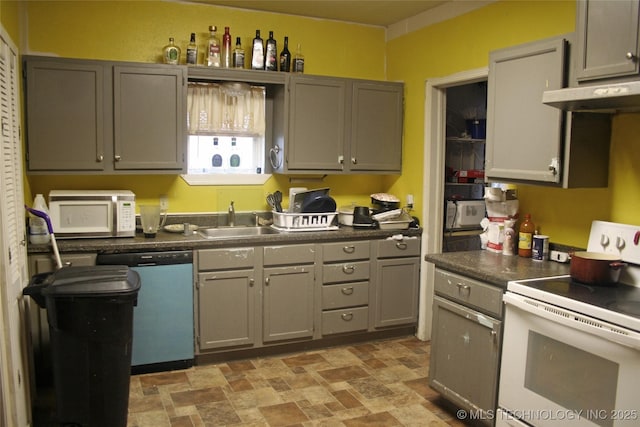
x: 604, y: 240
x: 620, y: 243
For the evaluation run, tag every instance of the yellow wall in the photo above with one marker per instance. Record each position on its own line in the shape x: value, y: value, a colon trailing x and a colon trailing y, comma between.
x: 136, y: 31
x: 463, y: 43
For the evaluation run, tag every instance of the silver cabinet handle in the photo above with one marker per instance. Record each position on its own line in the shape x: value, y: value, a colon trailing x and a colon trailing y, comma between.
x: 347, y: 317
x: 463, y: 288
x: 348, y: 291
x: 631, y: 56
x: 100, y: 158
x: 117, y: 157
x: 401, y: 245
x: 341, y: 159
x: 348, y: 269
x: 349, y: 249
x: 251, y: 282
x: 354, y: 160
x: 266, y: 281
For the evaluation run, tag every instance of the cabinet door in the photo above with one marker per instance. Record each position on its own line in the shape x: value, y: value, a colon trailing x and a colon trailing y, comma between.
x: 149, y: 117
x: 67, y: 114
x: 608, y: 39
x: 523, y: 135
x: 317, y: 123
x: 376, y: 127
x: 396, y: 291
x: 226, y: 307
x: 465, y: 352
x: 288, y: 303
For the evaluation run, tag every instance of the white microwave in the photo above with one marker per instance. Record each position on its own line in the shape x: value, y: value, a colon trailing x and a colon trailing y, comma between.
x: 464, y: 214
x: 92, y: 213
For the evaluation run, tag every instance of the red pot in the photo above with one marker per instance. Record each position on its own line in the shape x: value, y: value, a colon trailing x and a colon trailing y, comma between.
x: 594, y: 268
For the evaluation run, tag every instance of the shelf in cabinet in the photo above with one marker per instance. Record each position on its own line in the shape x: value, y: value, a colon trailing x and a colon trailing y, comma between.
x: 466, y: 140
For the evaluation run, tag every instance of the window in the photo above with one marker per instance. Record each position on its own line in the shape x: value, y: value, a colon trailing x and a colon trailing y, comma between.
x: 226, y: 124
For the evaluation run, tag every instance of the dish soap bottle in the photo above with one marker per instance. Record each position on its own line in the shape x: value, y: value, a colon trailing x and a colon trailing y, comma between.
x: 525, y: 237
x: 38, y: 230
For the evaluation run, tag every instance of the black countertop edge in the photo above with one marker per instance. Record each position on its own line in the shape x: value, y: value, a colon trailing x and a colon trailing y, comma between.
x: 165, y: 241
x: 494, y: 268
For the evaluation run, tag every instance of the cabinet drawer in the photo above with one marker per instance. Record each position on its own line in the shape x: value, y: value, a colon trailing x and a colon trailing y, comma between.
x: 345, y: 251
x: 289, y: 254
x: 345, y: 295
x: 345, y: 272
x: 226, y: 259
x: 482, y: 296
x: 345, y: 320
x: 398, y: 248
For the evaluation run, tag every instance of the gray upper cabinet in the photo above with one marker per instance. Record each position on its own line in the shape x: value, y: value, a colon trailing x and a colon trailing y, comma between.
x: 104, y: 117
x: 608, y: 39
x: 340, y: 126
x: 523, y: 134
x: 528, y: 141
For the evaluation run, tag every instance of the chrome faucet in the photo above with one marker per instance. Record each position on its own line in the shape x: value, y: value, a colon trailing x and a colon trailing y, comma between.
x: 232, y: 215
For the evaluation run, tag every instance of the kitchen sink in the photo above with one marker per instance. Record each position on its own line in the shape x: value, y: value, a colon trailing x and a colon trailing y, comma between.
x: 232, y: 232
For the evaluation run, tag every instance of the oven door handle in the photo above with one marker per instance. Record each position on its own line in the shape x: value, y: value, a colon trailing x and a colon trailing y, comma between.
x: 574, y: 320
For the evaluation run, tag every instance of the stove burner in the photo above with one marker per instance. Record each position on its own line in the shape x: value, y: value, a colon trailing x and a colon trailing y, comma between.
x: 626, y: 307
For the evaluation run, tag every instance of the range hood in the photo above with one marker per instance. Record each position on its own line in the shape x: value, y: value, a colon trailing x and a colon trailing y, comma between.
x: 609, y: 98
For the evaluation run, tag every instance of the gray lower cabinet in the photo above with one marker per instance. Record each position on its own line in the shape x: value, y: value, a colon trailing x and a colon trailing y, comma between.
x: 87, y: 116
x: 345, y: 287
x: 227, y: 299
x: 466, y: 342
x: 288, y: 293
x: 395, y: 296
x: 528, y: 141
x: 338, y: 125
x: 608, y: 40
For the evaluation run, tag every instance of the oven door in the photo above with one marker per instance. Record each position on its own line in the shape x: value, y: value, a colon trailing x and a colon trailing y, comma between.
x: 560, y: 368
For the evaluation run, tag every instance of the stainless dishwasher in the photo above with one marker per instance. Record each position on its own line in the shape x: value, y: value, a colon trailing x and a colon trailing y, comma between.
x: 163, y: 337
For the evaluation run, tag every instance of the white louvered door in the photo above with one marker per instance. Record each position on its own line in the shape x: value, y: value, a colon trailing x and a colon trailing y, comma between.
x: 14, y: 376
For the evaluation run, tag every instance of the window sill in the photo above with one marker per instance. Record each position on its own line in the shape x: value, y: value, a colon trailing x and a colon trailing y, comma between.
x: 226, y: 179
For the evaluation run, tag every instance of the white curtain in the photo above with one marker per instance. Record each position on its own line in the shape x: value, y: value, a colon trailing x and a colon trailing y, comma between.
x: 225, y: 108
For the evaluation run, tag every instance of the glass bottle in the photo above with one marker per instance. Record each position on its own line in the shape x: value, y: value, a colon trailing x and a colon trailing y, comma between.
x: 257, y: 53
x: 238, y: 55
x: 192, y: 50
x: 234, y: 160
x: 171, y: 53
x: 525, y: 237
x: 271, y: 55
x: 285, y: 56
x: 298, y: 61
x: 213, y: 48
x: 226, y: 49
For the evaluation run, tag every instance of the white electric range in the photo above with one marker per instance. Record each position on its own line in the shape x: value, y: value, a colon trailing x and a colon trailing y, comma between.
x: 571, y: 352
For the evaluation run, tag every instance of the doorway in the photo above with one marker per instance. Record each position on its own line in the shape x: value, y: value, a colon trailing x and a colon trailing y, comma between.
x: 434, y: 179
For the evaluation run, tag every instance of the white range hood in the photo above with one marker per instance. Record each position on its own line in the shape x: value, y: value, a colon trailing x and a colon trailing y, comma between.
x: 608, y: 98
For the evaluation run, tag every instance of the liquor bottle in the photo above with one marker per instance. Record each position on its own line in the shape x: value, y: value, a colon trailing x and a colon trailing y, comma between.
x: 525, y: 237
x: 226, y: 49
x: 257, y: 53
x: 285, y: 56
x: 270, y: 58
x: 234, y: 160
x: 238, y: 55
x: 213, y: 48
x: 298, y: 61
x: 192, y: 50
x: 171, y: 53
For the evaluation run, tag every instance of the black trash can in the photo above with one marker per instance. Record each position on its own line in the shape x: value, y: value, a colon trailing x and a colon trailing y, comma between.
x: 90, y: 314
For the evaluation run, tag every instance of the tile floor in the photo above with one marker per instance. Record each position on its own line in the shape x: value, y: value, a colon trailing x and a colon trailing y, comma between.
x: 379, y: 383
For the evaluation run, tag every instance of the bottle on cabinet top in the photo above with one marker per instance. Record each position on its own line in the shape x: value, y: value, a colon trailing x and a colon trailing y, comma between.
x: 192, y: 50
x: 226, y: 49
x: 171, y: 53
x: 257, y: 53
x: 285, y: 56
x: 238, y: 55
x: 271, y: 54
x: 298, y: 61
x: 213, y: 48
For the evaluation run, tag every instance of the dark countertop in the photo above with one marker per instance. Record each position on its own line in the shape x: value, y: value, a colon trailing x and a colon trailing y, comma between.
x: 494, y: 268
x: 166, y: 241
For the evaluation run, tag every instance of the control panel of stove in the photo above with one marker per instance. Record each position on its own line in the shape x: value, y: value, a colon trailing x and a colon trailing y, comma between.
x: 616, y: 239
